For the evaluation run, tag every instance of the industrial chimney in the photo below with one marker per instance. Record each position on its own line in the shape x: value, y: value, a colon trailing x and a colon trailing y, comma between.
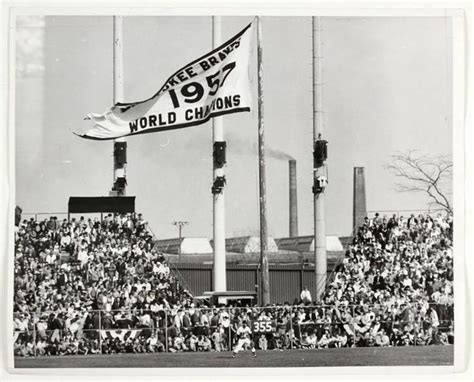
x: 359, y: 202
x: 293, y: 199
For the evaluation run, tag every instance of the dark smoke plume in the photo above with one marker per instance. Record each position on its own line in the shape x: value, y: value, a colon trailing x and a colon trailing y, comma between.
x: 276, y: 154
x: 239, y: 146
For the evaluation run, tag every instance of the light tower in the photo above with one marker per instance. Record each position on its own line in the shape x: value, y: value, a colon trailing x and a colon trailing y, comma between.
x: 120, y: 145
x: 180, y: 225
x: 319, y: 167
x: 218, y: 186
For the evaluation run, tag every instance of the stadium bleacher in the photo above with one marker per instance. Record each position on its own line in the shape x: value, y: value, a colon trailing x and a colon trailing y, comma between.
x: 91, y: 286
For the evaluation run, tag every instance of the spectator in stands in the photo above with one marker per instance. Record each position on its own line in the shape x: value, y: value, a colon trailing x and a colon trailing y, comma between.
x: 305, y: 295
x: 219, y: 338
x: 91, y: 279
x: 394, y: 265
x: 394, y: 287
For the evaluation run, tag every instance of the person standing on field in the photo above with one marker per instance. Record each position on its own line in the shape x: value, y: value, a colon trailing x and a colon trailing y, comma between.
x: 243, y: 334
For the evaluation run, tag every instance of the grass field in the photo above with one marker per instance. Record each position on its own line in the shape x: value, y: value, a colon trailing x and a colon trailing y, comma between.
x: 402, y: 356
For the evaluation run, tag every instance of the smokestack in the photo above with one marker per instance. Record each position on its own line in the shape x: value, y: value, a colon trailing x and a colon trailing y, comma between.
x: 359, y: 206
x: 293, y: 199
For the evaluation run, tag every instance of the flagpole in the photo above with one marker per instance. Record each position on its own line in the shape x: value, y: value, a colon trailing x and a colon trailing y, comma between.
x: 120, y: 144
x: 219, y: 268
x: 319, y: 167
x: 265, y: 284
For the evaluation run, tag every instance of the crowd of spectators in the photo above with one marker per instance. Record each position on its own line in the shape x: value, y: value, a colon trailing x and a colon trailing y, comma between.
x: 398, y: 270
x: 90, y: 286
x: 66, y: 272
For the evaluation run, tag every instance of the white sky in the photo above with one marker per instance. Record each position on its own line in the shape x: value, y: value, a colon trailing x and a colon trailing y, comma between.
x: 387, y: 88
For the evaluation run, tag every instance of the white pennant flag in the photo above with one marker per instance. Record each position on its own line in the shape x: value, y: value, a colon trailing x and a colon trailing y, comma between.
x: 215, y: 84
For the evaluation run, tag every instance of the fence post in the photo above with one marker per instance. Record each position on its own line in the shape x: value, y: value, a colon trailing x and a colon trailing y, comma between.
x: 291, y: 329
x: 100, y: 332
x: 301, y: 275
x: 353, y: 325
x: 166, y: 331
x: 229, y: 344
x: 34, y: 337
x: 393, y: 324
x: 416, y: 326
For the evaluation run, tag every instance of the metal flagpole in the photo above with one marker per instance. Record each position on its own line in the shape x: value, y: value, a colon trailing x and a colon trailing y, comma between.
x: 265, y: 288
x: 319, y: 154
x: 120, y: 145
x: 219, y: 269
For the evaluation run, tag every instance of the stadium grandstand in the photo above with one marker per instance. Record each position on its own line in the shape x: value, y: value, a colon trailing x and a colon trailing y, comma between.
x: 90, y: 286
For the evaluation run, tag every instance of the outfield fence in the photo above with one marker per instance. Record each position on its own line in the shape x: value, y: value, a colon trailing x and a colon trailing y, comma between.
x: 214, y: 329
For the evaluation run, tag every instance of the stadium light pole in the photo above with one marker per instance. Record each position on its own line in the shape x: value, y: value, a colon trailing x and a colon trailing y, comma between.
x: 219, y: 263
x: 180, y: 225
x: 319, y: 171
x: 120, y: 144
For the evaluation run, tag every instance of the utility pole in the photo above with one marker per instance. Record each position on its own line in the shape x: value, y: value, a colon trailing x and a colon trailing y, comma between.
x: 219, y: 160
x: 180, y: 225
x: 265, y: 289
x: 319, y: 167
x: 120, y: 144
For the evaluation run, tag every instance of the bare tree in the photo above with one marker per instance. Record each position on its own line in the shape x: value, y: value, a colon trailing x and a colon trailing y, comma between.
x: 420, y: 173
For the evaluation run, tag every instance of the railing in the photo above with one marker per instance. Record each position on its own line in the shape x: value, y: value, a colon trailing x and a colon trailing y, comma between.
x: 40, y: 216
x: 214, y: 329
x: 407, y: 213
x: 177, y: 274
